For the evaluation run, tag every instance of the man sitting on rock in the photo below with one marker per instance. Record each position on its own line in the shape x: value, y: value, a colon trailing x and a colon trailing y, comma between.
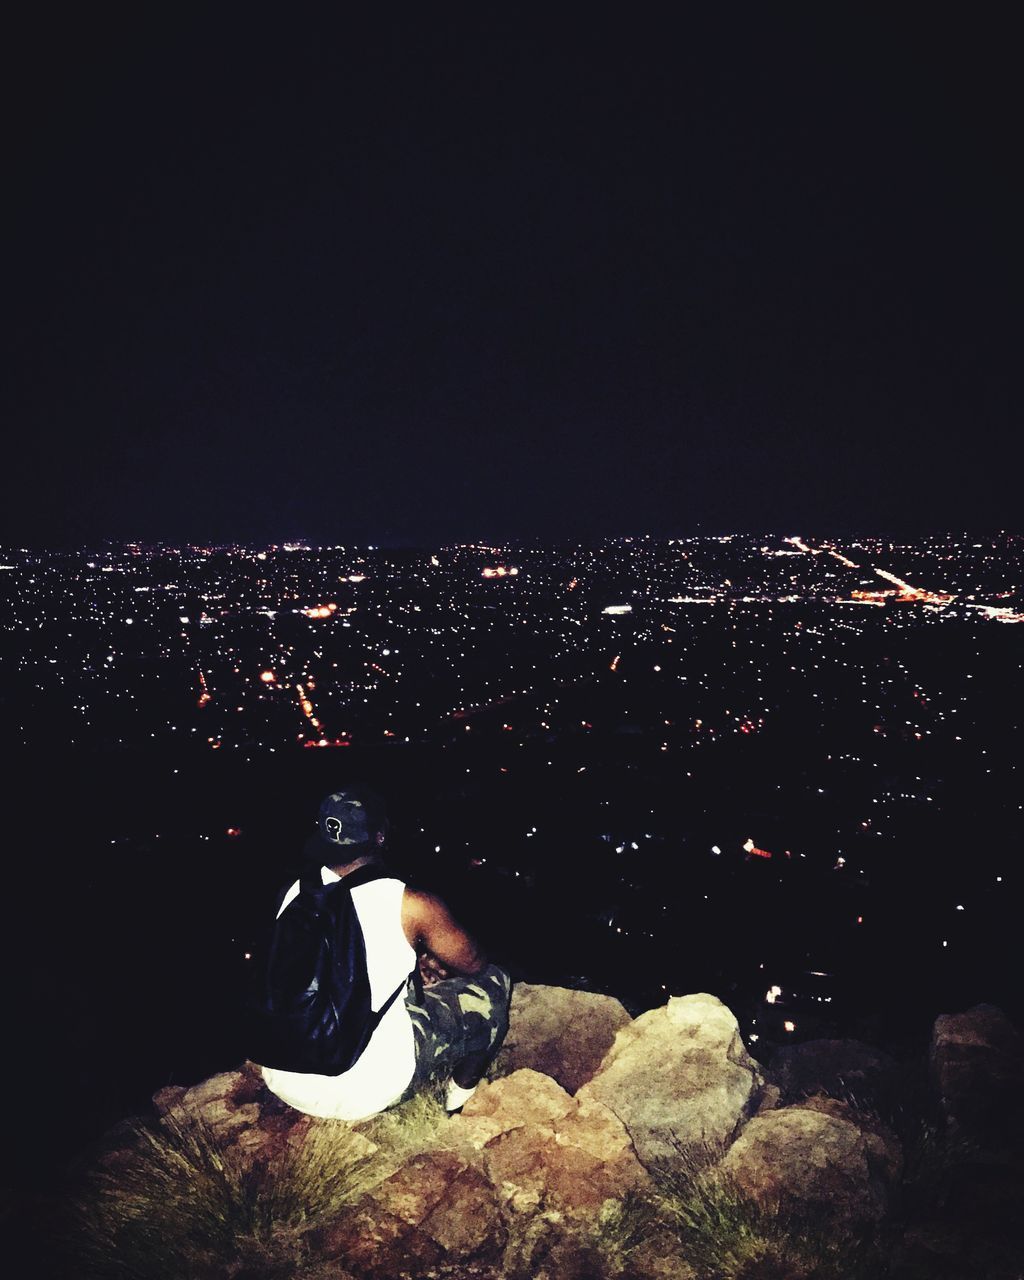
x: 454, y: 1014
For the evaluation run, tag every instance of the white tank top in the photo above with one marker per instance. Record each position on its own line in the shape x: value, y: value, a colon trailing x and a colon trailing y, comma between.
x: 383, y: 1070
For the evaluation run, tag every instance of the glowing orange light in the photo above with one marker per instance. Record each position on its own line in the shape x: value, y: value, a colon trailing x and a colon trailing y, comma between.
x: 267, y: 677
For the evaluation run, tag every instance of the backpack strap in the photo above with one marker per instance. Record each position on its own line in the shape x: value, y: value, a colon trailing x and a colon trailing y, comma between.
x: 365, y: 875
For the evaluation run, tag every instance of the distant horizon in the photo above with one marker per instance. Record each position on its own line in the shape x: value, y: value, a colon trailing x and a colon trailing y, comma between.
x: 299, y: 544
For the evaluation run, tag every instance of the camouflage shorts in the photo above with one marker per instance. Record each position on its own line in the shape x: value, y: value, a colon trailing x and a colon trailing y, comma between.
x: 458, y: 1018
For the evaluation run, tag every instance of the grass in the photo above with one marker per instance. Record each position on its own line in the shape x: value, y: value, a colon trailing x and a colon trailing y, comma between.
x: 725, y: 1234
x: 181, y: 1205
x: 418, y: 1124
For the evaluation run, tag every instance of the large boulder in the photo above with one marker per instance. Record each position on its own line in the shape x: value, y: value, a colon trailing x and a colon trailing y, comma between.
x: 563, y: 1033
x: 819, y: 1157
x: 541, y: 1146
x: 678, y: 1076
x: 977, y: 1062
x: 839, y: 1068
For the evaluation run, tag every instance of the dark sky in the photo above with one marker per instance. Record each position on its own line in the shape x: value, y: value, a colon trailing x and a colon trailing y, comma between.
x: 452, y: 272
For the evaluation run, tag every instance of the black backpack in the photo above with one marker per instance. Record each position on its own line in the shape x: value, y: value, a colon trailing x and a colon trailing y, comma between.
x: 311, y: 1010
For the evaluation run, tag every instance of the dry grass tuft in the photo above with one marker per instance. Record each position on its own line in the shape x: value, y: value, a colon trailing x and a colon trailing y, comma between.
x: 725, y: 1234
x: 181, y: 1203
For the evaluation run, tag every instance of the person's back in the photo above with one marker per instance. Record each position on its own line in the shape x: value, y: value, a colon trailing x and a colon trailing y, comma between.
x: 382, y: 1073
x: 454, y: 1026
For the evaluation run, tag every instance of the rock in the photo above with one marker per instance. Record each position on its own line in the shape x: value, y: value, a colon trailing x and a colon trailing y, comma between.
x: 525, y: 1097
x: 839, y: 1068
x: 528, y: 1181
x: 564, y: 1034
x: 243, y: 1116
x: 438, y: 1207
x: 769, y: 1098
x: 370, y: 1242
x: 523, y: 1175
x: 678, y: 1075
x: 818, y: 1160
x: 541, y: 1146
x: 252, y: 1128
x: 885, y: 1151
x: 977, y: 1062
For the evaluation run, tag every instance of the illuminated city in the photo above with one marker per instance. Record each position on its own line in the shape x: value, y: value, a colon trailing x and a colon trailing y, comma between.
x: 690, y: 764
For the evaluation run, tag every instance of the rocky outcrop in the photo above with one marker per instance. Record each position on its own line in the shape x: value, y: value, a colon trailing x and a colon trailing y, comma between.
x: 678, y: 1076
x: 566, y: 1034
x: 561, y: 1173
x: 521, y: 1173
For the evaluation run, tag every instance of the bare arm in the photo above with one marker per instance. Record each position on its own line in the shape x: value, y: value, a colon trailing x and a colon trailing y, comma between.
x: 429, y: 924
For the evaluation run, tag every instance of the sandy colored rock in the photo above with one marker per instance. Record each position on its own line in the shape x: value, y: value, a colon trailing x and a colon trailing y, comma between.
x: 678, y: 1075
x: 563, y: 1033
x: 884, y: 1149
x: 542, y: 1146
x: 815, y: 1160
x: 524, y: 1097
x: 466, y: 1223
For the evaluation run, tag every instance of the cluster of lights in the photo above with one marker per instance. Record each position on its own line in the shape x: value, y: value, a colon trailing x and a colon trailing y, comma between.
x: 146, y: 627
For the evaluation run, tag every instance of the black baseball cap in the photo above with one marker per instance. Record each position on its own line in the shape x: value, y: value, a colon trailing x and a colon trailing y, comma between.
x: 350, y: 817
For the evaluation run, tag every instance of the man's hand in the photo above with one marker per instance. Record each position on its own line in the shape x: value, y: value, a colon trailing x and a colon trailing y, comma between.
x: 431, y: 969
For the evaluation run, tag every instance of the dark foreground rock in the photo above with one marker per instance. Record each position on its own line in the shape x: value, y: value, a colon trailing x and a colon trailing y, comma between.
x: 845, y: 1069
x: 977, y: 1060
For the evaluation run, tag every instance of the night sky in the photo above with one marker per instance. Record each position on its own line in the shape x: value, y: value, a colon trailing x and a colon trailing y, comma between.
x: 453, y: 272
